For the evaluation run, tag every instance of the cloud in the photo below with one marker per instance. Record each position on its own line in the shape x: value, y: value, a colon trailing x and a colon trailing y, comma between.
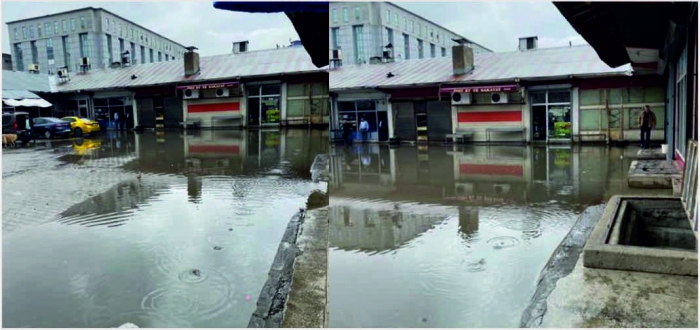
x: 196, y: 24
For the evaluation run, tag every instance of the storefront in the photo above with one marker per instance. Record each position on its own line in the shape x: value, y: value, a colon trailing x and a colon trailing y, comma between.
x: 491, y: 113
x: 352, y: 107
x: 263, y: 104
x: 418, y: 114
x: 551, y: 113
x: 307, y: 103
x: 213, y: 105
x: 106, y: 104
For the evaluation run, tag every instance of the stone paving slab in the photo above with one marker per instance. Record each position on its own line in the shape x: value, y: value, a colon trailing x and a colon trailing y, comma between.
x: 653, y: 174
x: 650, y: 154
x: 601, y: 298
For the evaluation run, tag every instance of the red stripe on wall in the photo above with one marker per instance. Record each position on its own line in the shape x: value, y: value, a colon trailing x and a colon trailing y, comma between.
x: 214, y: 107
x: 230, y: 149
x: 489, y: 116
x: 491, y: 169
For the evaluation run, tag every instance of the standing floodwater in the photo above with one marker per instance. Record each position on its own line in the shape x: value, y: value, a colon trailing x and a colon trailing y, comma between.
x: 436, y: 237
x: 160, y: 230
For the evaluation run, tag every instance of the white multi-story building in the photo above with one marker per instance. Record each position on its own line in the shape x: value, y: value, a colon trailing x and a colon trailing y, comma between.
x: 64, y: 39
x: 362, y: 30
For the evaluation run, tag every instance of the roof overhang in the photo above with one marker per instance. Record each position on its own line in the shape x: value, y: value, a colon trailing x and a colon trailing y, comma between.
x: 625, y: 32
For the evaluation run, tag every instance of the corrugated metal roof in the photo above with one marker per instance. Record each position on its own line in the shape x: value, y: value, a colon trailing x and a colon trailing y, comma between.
x: 230, y: 66
x: 20, y: 80
x: 9, y: 94
x: 488, y: 67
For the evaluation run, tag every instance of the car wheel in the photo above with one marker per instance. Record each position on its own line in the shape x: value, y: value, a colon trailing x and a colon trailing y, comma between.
x: 47, y: 135
x: 78, y: 132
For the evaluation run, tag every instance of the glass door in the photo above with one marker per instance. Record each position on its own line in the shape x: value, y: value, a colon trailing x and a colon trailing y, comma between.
x: 539, y: 122
x: 559, y: 122
x: 551, y: 115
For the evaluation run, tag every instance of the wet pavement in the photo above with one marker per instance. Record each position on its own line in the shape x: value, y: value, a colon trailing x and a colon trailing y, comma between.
x: 456, y: 237
x: 160, y: 230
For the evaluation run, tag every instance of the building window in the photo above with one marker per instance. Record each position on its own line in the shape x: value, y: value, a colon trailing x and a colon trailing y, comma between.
x: 24, y: 32
x: 405, y: 24
x: 66, y: 54
x: 64, y: 25
x: 307, y: 99
x: 72, y: 24
x: 160, y: 57
x: 413, y: 27
x: 396, y: 19
x: 420, y: 48
x: 444, y: 52
x: 38, y: 30
x: 345, y: 15
x: 16, y: 33
x: 357, y: 13
x: 358, y: 44
x: 110, y: 51
x: 55, y: 27
x: 132, y: 52
x: 114, y: 27
x: 132, y: 33
x: 432, y: 50
x: 47, y: 29
x: 20, y: 58
x: 121, y: 47
x: 388, y: 16
x: 390, y: 36
x: 335, y: 37
x: 143, y: 54
x: 106, y: 27
x: 84, y: 47
x: 49, y: 49
x: 82, y: 23
x: 263, y: 104
x: 150, y: 53
x: 406, y: 47
x: 35, y: 53
x: 31, y: 32
x: 121, y: 31
x: 334, y: 15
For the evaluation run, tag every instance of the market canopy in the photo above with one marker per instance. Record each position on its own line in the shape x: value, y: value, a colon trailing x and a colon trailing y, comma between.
x: 19, y: 98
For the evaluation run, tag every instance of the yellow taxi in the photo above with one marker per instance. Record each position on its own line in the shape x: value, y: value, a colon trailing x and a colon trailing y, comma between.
x: 85, y: 146
x: 81, y: 126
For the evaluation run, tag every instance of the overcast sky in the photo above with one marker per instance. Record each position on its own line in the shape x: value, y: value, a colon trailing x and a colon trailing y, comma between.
x: 495, y: 25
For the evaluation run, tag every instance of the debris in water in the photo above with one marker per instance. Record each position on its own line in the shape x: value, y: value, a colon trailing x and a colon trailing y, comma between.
x: 196, y: 272
x: 230, y: 229
x: 425, y: 319
x: 217, y: 248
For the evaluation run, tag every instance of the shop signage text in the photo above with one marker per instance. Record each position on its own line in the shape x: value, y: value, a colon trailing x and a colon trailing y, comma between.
x: 209, y: 86
x: 481, y: 89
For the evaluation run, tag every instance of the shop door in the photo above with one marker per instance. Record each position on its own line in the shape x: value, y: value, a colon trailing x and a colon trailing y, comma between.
x: 439, y: 120
x: 147, y: 115
x: 253, y: 111
x: 539, y: 123
x: 172, y: 112
x: 382, y: 126
x: 405, y: 123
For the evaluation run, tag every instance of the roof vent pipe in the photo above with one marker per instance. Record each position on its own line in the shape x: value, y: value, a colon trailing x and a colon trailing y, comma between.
x: 191, y: 59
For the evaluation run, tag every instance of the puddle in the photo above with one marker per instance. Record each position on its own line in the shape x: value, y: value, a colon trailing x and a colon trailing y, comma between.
x: 169, y: 231
x: 454, y: 238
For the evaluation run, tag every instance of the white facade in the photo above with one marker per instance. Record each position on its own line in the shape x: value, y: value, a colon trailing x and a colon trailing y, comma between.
x: 361, y: 30
x: 62, y: 39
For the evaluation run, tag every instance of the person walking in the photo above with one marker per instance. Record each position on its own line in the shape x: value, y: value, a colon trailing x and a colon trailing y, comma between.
x: 116, y: 121
x: 364, y: 129
x: 646, y: 122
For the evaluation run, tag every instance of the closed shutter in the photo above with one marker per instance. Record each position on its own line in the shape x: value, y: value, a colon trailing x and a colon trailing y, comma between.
x: 147, y: 116
x: 439, y: 120
x: 405, y: 123
x: 172, y: 112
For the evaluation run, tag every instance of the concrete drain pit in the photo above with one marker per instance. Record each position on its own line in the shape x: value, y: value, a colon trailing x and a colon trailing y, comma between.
x: 654, y: 174
x: 645, y: 234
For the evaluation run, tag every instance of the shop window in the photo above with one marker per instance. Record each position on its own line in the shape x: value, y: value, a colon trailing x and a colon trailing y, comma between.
x: 653, y: 95
x: 367, y: 105
x: 295, y: 108
x: 296, y: 90
x: 559, y: 97
x: 538, y: 97
x: 590, y: 97
x: 346, y: 106
x: 270, y: 89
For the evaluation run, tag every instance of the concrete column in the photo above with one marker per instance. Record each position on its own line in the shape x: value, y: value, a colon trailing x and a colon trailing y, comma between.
x: 283, y: 104
x: 575, y: 113
x: 135, y: 107
x: 390, y: 117
x: 392, y: 164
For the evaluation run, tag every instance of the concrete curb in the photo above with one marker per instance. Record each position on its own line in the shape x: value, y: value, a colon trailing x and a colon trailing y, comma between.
x: 273, y: 296
x: 560, y: 264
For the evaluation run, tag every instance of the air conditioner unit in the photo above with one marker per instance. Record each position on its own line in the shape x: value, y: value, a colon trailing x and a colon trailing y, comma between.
x: 501, y: 188
x: 461, y: 98
x: 191, y: 94
x: 221, y: 92
x: 33, y: 67
x: 464, y: 189
x: 62, y: 73
x: 499, y: 98
x: 84, y: 61
x: 335, y: 54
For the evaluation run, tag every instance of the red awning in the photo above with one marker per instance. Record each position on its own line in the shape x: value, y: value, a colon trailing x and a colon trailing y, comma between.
x: 479, y: 89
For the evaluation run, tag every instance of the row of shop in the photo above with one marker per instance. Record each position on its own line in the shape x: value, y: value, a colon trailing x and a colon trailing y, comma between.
x: 581, y: 104
x: 259, y: 94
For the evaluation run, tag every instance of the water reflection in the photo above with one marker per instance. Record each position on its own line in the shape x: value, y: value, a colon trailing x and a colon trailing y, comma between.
x: 184, y: 239
x: 461, y: 233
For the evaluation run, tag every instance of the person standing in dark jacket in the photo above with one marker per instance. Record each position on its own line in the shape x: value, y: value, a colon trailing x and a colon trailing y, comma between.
x: 646, y: 122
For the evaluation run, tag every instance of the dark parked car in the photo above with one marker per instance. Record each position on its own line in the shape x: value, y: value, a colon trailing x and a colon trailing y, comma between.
x: 19, y: 123
x: 49, y: 127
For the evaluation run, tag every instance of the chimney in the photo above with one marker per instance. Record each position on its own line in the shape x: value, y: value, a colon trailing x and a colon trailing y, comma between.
x: 462, y: 59
x: 527, y: 43
x: 240, y: 46
x: 191, y: 61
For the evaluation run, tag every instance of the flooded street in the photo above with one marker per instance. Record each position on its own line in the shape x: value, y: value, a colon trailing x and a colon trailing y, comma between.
x: 160, y: 230
x: 436, y: 237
